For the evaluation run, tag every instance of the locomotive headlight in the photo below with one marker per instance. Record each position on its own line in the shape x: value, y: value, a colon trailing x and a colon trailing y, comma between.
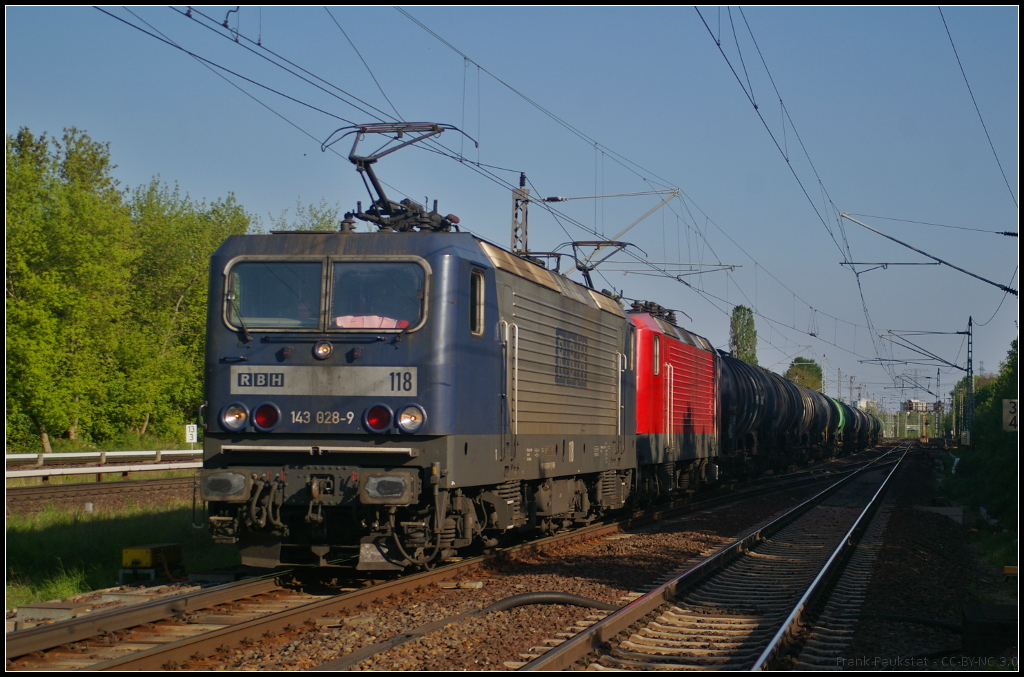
x: 323, y: 350
x: 234, y: 416
x: 266, y: 416
x: 411, y: 418
x: 378, y: 418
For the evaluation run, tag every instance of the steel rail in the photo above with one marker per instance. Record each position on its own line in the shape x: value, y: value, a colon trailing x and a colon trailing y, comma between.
x: 835, y: 563
x: 51, y: 491
x: 39, y: 638
x: 576, y: 648
x: 45, y: 637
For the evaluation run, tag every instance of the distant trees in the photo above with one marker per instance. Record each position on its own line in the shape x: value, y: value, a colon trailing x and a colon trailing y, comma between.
x: 324, y: 217
x: 742, y: 335
x: 106, y: 295
x: 988, y: 472
x: 805, y: 372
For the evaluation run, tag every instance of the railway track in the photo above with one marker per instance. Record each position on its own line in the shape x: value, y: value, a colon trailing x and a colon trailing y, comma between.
x: 740, y: 607
x: 186, y: 631
x: 79, y: 490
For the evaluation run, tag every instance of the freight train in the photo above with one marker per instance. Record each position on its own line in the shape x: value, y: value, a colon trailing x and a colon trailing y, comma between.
x: 385, y: 399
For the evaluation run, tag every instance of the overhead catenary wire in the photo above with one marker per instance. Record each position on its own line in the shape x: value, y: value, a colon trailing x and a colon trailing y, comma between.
x: 368, y: 69
x: 845, y: 248
x: 235, y: 85
x: 625, y: 162
x: 630, y: 165
x: 975, y: 102
x: 223, y: 68
x: 263, y: 52
x: 618, y: 158
x: 934, y: 258
x: 940, y: 225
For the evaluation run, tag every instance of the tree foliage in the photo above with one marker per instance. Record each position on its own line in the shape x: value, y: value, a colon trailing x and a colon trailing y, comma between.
x: 988, y: 471
x: 805, y: 372
x: 743, y: 335
x: 106, y: 295
x: 322, y: 217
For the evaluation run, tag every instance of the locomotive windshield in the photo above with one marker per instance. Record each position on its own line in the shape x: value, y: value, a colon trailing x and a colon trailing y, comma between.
x: 275, y: 294
x: 376, y: 295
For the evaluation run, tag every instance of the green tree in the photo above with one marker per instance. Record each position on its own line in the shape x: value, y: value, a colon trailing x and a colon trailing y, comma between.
x: 323, y: 217
x: 69, y: 250
x: 743, y: 335
x: 989, y: 467
x: 168, y: 303
x: 805, y: 372
x: 106, y: 295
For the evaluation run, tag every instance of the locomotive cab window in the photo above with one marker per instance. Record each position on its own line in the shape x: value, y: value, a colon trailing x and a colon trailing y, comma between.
x: 476, y: 303
x: 274, y: 294
x: 377, y: 295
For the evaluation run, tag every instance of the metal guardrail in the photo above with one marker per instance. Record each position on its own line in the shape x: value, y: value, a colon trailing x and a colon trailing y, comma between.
x: 101, y: 460
x: 96, y: 469
x: 38, y: 460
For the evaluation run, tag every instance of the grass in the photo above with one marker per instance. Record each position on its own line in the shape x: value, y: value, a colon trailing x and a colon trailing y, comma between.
x: 58, y: 553
x: 998, y: 549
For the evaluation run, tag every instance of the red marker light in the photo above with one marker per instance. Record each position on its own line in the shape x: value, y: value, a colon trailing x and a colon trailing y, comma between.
x: 266, y: 417
x: 378, y: 418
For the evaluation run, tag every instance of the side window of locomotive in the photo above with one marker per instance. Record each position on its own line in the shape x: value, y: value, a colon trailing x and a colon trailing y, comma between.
x: 476, y: 303
x: 274, y: 294
x: 632, y: 348
x: 377, y: 295
x: 657, y: 354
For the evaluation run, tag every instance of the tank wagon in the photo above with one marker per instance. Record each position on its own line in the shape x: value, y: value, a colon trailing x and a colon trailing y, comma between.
x: 387, y: 398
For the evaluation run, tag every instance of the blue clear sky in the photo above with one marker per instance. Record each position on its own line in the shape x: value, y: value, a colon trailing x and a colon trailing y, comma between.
x: 606, y: 101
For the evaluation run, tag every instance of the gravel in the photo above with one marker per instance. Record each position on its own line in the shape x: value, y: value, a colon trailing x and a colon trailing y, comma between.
x: 928, y: 567
x: 605, y: 569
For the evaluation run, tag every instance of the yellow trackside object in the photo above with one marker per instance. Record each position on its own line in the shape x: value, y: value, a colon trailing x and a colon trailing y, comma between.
x: 150, y: 556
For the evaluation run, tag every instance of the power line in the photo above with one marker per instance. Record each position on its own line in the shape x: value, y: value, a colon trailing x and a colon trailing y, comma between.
x: 215, y: 28
x: 940, y: 225
x: 642, y: 172
x: 223, y: 68
x: 375, y: 81
x: 971, y: 92
x: 236, y: 86
x: 482, y: 169
x: 934, y: 258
